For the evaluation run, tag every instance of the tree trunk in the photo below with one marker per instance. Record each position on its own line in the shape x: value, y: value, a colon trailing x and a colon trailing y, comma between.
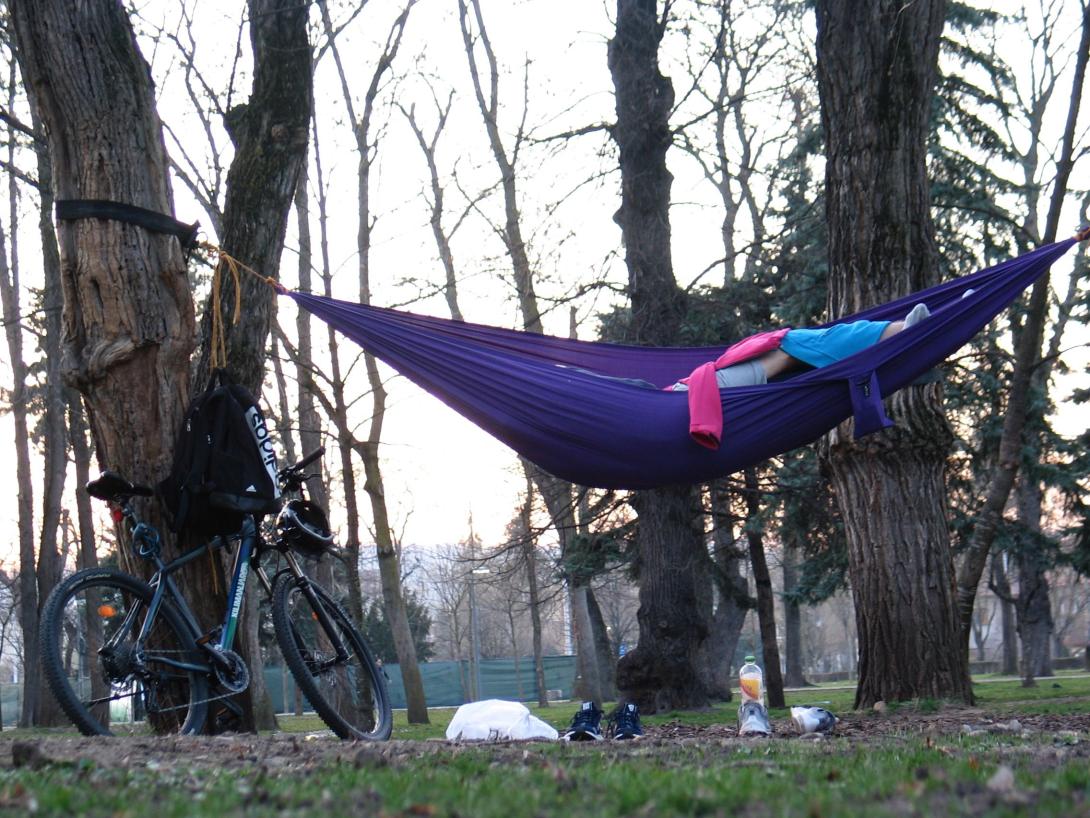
x: 792, y: 621
x: 1002, y: 589
x: 662, y: 672
x: 559, y: 500
x: 733, y: 600
x: 310, y: 425
x: 530, y: 561
x: 28, y: 590
x: 589, y: 682
x: 876, y: 72
x: 54, y: 429
x: 603, y: 647
x: 389, y: 567
x: 92, y: 92
x: 1033, y: 607
x: 1027, y: 365
x: 766, y: 603
x: 270, y: 134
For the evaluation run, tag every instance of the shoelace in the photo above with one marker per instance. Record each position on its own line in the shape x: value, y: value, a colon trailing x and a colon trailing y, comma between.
x: 624, y: 721
x: 586, y: 720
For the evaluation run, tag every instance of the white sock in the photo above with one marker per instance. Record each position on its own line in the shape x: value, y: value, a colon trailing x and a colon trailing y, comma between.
x: 916, y: 315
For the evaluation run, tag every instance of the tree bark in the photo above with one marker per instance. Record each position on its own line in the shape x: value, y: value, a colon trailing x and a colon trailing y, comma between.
x: 270, y: 134
x: 1001, y: 586
x: 766, y: 604
x: 55, y: 429
x: 792, y: 622
x: 876, y: 72
x: 128, y: 313
x: 1032, y: 605
x: 529, y: 555
x: 733, y: 600
x: 28, y: 589
x: 662, y: 672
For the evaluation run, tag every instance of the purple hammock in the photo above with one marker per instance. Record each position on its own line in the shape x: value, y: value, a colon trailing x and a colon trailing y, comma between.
x: 545, y: 398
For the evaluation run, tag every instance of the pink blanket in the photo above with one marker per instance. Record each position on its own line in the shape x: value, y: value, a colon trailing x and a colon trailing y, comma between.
x: 705, y: 407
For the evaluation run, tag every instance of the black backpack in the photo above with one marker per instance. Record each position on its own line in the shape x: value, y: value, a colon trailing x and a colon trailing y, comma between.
x: 224, y: 462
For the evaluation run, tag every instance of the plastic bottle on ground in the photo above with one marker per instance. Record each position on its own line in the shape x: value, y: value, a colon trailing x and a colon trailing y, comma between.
x: 751, y: 682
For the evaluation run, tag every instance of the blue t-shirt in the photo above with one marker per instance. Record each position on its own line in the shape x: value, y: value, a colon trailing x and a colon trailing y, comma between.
x: 821, y: 347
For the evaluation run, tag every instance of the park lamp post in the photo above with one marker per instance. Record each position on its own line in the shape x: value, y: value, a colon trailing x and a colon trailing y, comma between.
x: 474, y: 633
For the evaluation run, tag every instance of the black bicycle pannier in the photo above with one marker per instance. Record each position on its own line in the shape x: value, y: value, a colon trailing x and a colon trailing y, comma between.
x: 224, y: 462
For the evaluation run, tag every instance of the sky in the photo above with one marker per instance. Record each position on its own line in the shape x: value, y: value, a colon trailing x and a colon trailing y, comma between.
x: 440, y: 468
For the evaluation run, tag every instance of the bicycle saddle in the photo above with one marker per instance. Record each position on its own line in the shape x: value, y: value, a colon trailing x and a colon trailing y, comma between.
x: 112, y: 486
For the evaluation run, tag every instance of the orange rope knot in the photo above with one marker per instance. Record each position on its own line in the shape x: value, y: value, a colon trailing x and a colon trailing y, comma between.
x: 225, y: 261
x: 1083, y: 233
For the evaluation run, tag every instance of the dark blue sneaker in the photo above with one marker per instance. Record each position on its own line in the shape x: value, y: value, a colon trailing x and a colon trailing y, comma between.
x: 625, y: 723
x: 585, y: 724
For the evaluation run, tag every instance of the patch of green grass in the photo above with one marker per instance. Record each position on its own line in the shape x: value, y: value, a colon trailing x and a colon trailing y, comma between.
x: 889, y: 776
x: 865, y: 773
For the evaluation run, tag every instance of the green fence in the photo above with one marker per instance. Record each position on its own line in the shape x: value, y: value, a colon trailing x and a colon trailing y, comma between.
x: 446, y: 684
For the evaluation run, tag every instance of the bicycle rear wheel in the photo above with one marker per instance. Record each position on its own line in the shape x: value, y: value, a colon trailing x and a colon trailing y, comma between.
x: 103, y: 680
x: 345, y: 687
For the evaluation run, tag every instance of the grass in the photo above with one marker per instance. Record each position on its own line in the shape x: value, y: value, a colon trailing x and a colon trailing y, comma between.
x: 879, y: 772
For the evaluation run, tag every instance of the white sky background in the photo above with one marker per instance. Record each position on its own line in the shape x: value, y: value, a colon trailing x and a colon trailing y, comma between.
x: 439, y: 467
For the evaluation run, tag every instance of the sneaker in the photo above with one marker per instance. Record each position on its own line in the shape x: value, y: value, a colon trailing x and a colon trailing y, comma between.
x: 753, y: 720
x: 585, y: 724
x: 625, y: 723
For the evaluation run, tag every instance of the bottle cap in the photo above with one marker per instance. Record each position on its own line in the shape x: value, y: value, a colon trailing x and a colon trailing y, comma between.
x: 751, y: 659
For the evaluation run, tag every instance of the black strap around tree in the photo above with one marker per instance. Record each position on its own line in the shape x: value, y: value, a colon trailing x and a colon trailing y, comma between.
x: 70, y: 209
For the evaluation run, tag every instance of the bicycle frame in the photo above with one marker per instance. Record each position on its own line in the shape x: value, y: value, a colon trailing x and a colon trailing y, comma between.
x: 250, y: 547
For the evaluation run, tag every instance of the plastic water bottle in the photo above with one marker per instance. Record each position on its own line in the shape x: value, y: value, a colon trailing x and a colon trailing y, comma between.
x: 751, y: 682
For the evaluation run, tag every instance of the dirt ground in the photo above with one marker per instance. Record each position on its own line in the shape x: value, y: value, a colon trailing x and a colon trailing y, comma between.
x: 288, y: 752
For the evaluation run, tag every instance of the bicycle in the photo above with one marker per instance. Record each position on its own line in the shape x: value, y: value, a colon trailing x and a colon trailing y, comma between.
x: 113, y: 644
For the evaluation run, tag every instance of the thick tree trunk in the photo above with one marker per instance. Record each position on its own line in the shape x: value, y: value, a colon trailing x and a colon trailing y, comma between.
x: 876, y: 72
x: 128, y: 313
x: 270, y: 134
x: 663, y: 670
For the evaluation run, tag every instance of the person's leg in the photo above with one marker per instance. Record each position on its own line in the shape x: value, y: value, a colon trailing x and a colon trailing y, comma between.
x: 747, y: 373
x: 915, y: 316
x: 776, y: 362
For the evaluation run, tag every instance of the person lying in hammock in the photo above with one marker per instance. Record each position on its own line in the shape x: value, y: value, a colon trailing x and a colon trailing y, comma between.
x: 789, y: 349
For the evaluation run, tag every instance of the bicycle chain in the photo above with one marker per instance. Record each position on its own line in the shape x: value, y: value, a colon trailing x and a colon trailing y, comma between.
x: 211, y: 677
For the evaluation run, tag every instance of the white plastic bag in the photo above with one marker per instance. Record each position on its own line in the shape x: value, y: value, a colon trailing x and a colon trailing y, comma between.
x: 496, y: 720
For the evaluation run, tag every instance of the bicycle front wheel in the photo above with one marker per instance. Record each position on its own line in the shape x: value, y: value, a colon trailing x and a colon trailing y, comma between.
x: 330, y: 661
x: 103, y: 676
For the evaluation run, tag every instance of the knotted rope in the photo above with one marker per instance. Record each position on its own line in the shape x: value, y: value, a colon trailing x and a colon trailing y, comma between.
x: 228, y: 264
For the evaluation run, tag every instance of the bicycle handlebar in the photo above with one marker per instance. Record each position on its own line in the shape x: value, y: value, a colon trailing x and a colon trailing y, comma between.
x: 310, y: 458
